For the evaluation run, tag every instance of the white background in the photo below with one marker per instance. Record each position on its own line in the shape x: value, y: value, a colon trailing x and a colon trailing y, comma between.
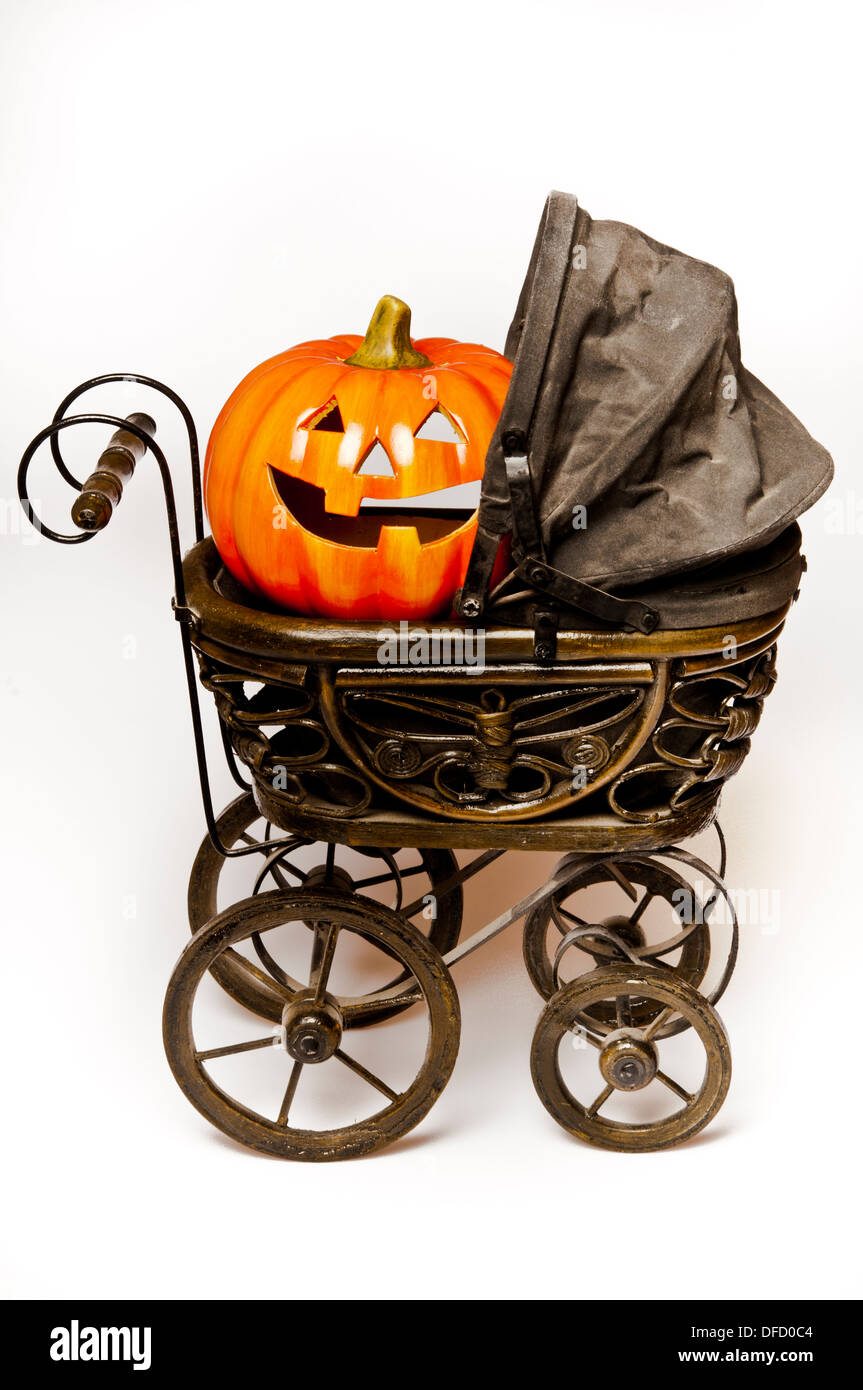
x: 188, y: 188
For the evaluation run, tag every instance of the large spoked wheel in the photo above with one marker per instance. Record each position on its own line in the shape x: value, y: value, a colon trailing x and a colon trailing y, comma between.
x: 627, y: 1059
x: 393, y: 877
x: 310, y: 1046
x: 660, y: 920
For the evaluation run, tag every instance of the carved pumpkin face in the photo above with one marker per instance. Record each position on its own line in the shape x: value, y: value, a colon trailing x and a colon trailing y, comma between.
x: 330, y: 469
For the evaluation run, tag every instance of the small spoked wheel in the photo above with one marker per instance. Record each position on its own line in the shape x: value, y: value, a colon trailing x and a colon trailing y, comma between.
x: 306, y: 1090
x: 618, y: 1063
x: 658, y: 918
x: 396, y: 878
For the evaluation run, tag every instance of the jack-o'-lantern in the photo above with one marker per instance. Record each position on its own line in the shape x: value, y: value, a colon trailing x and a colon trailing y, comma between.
x: 330, y: 468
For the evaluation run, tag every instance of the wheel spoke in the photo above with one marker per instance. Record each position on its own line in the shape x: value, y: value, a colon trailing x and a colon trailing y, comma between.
x: 618, y: 874
x: 579, y: 1032
x: 412, y: 870
x: 331, y: 859
x: 674, y: 1086
x: 648, y: 897
x: 234, y: 1048
x: 659, y: 1022
x: 261, y: 976
x: 374, y: 880
x: 353, y: 1065
x: 623, y: 1009
x: 662, y: 948
x: 318, y: 938
x: 287, y: 1099
x: 321, y: 975
x: 570, y: 917
x: 600, y: 1101
x: 278, y: 866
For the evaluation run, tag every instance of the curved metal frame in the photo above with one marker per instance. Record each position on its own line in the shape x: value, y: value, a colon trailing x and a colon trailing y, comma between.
x: 62, y: 421
x: 693, y: 862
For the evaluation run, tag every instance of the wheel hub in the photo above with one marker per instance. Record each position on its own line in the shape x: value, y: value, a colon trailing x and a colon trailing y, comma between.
x: 628, y: 1060
x: 334, y: 877
x: 604, y: 950
x: 313, y: 1031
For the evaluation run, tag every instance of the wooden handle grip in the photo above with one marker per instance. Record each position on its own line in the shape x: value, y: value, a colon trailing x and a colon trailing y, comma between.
x: 95, y: 503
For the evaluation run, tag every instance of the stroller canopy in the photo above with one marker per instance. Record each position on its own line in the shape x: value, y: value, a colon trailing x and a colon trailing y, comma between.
x: 633, y: 443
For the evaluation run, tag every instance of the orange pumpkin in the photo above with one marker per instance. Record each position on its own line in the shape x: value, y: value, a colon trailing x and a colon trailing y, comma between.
x: 320, y: 462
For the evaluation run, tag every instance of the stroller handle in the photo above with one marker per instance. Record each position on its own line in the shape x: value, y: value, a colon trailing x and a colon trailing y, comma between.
x: 101, y: 493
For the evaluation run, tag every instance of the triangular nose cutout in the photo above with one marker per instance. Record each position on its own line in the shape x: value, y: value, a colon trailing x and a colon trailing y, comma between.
x: 439, y: 426
x: 376, y: 463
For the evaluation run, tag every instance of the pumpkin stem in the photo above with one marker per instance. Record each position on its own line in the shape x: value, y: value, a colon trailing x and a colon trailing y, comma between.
x: 387, y: 343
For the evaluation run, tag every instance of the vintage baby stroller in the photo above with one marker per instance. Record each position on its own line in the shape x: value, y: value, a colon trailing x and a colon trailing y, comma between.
x: 650, y: 487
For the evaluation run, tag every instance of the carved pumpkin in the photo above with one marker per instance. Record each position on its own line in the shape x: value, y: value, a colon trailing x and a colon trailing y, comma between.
x: 327, y: 469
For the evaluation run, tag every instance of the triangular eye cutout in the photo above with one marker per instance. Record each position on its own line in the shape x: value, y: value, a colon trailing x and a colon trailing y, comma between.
x: 439, y: 426
x: 329, y: 417
x: 376, y: 463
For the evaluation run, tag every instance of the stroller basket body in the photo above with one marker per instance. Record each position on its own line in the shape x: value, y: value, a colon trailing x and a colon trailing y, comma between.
x: 625, y: 740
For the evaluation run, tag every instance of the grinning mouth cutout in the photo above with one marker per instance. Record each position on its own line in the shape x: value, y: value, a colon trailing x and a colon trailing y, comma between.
x: 431, y: 521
